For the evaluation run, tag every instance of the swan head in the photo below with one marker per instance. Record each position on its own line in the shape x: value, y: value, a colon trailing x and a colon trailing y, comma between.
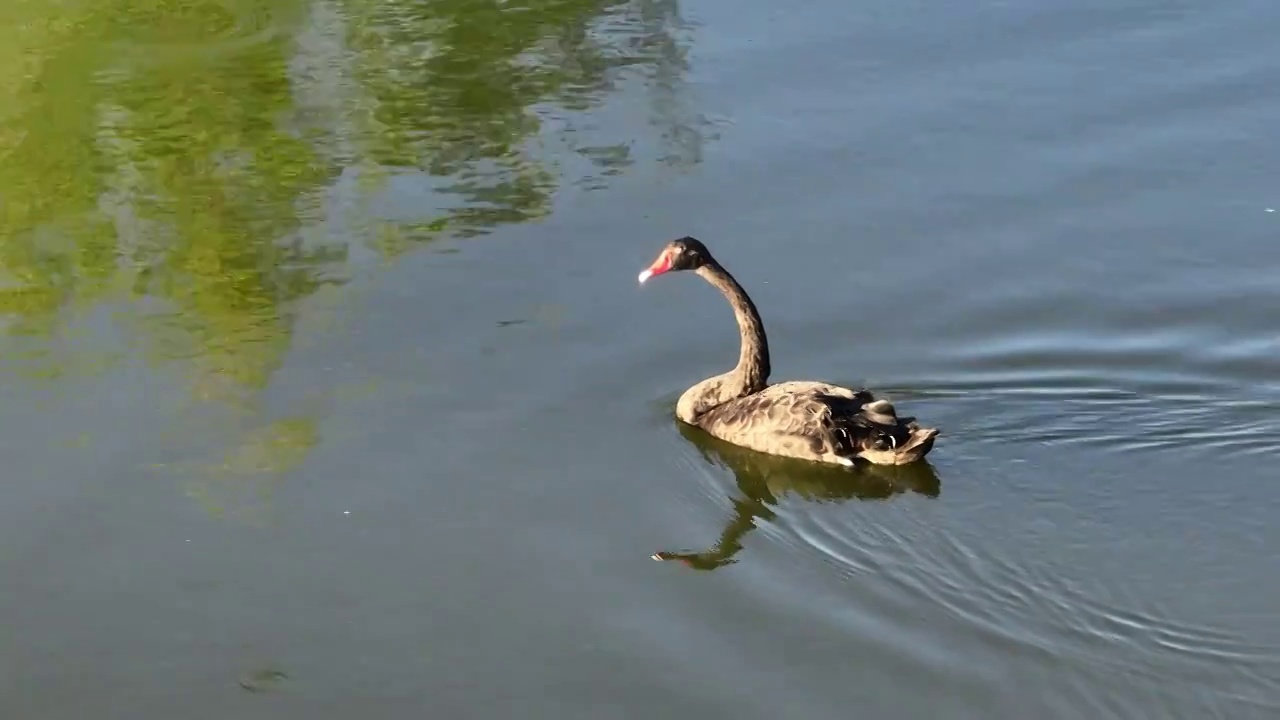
x: 686, y: 253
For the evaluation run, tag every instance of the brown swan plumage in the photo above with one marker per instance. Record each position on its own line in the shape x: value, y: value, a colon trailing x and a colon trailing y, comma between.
x: 809, y: 420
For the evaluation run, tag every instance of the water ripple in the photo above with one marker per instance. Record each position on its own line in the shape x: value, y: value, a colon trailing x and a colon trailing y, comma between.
x: 1024, y: 604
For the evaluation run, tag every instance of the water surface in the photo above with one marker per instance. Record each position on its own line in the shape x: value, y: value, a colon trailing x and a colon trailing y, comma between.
x: 328, y: 390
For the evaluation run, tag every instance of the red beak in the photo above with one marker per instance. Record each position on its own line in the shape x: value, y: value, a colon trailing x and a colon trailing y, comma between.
x: 659, y: 266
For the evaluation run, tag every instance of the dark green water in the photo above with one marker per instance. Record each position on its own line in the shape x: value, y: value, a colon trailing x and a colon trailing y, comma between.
x: 328, y: 391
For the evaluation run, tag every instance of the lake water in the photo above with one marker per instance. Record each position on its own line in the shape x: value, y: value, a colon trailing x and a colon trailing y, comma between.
x: 328, y: 390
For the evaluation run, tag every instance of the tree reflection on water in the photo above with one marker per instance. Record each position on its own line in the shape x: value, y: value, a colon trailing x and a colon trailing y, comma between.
x: 175, y: 160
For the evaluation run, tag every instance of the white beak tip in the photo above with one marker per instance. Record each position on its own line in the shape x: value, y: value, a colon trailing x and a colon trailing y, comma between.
x: 645, y: 275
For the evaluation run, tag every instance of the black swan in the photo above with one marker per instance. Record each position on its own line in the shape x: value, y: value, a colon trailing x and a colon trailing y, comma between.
x: 809, y: 420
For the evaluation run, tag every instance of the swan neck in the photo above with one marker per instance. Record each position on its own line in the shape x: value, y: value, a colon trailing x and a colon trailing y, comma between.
x: 752, y: 371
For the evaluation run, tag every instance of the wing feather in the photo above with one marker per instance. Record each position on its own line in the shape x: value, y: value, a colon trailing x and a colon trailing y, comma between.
x: 809, y: 419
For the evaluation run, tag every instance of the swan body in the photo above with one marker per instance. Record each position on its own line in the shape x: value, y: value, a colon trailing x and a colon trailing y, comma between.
x: 808, y: 420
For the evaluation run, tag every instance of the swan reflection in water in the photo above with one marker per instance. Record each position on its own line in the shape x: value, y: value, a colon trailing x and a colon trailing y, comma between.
x: 765, y: 479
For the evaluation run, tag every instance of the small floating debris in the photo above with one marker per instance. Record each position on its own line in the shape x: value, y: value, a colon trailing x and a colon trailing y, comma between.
x: 262, y: 680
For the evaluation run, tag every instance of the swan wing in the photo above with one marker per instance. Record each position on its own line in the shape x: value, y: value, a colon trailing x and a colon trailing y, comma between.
x: 811, y: 420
